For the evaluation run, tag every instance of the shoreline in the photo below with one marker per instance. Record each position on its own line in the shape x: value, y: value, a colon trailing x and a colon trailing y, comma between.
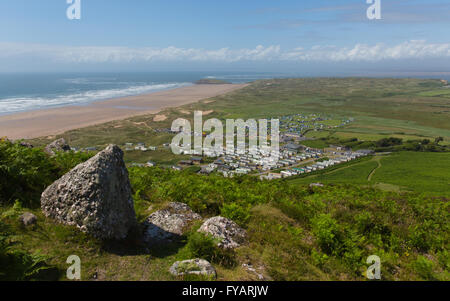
x: 55, y: 121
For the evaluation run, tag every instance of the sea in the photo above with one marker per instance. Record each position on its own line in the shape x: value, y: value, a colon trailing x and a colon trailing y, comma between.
x: 20, y: 92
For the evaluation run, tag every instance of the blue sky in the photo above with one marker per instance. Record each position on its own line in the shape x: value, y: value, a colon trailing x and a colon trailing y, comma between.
x: 413, y: 35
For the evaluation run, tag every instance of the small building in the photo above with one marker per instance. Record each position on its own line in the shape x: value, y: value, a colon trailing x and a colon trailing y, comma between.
x: 293, y: 135
x: 285, y: 139
x: 292, y: 147
x: 219, y: 162
x: 206, y: 170
x: 196, y: 160
x: 150, y: 164
x: 185, y: 162
x: 285, y: 174
x: 365, y: 152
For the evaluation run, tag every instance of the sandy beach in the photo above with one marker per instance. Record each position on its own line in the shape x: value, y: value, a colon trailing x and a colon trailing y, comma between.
x: 55, y: 121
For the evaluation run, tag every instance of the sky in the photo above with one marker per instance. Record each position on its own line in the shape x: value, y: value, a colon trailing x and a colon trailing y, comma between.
x: 320, y: 36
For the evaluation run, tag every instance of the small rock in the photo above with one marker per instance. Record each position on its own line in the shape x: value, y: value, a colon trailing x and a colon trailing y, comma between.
x: 220, y: 227
x: 26, y: 144
x: 169, y: 223
x: 28, y: 219
x: 252, y: 270
x: 316, y: 185
x: 249, y: 267
x: 59, y: 145
x: 193, y: 267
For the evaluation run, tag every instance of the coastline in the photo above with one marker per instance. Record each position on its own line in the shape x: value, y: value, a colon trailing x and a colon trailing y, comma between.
x: 55, y: 121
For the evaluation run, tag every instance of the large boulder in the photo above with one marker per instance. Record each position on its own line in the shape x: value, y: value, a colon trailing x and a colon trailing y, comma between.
x: 193, y: 267
x: 95, y: 196
x: 231, y: 235
x: 169, y: 222
x: 59, y: 145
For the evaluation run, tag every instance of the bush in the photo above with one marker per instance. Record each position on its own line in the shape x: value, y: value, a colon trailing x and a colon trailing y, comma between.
x: 17, y: 265
x: 26, y: 172
x: 424, y: 268
x: 339, y: 241
x: 386, y: 142
x: 65, y: 161
x: 326, y: 229
x: 239, y: 213
x: 204, y: 246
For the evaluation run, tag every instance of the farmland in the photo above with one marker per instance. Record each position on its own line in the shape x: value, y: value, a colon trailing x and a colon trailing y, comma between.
x: 404, y: 171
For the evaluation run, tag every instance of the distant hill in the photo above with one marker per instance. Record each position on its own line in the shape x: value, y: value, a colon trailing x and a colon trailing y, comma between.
x: 211, y: 81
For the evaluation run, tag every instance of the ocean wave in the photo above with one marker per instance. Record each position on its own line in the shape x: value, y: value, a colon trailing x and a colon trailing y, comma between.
x: 28, y: 103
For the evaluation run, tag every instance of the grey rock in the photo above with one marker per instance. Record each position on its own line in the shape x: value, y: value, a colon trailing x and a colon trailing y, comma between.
x: 252, y: 270
x: 168, y: 223
x: 26, y: 144
x: 193, y: 267
x: 231, y: 235
x: 95, y: 196
x: 316, y: 185
x: 28, y: 219
x: 59, y: 145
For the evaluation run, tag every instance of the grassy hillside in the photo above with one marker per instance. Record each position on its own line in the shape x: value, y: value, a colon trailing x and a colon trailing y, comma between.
x: 295, y: 232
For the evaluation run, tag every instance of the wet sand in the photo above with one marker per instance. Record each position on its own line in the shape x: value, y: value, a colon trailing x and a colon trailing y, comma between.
x: 55, y: 121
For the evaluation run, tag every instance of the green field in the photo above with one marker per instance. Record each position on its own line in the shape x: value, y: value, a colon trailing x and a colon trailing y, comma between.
x: 403, y: 171
x: 354, y: 173
x: 421, y: 172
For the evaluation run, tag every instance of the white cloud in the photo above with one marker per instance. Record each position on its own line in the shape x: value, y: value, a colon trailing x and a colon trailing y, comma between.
x: 370, y: 53
x: 414, y: 49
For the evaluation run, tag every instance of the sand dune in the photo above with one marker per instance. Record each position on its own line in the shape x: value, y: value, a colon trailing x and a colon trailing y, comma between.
x: 59, y: 120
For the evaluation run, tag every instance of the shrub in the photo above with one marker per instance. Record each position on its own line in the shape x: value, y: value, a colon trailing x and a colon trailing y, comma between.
x: 65, y: 161
x: 26, y: 172
x: 327, y: 231
x: 204, y: 246
x: 17, y: 265
x: 424, y: 267
x: 239, y: 213
x: 421, y: 239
